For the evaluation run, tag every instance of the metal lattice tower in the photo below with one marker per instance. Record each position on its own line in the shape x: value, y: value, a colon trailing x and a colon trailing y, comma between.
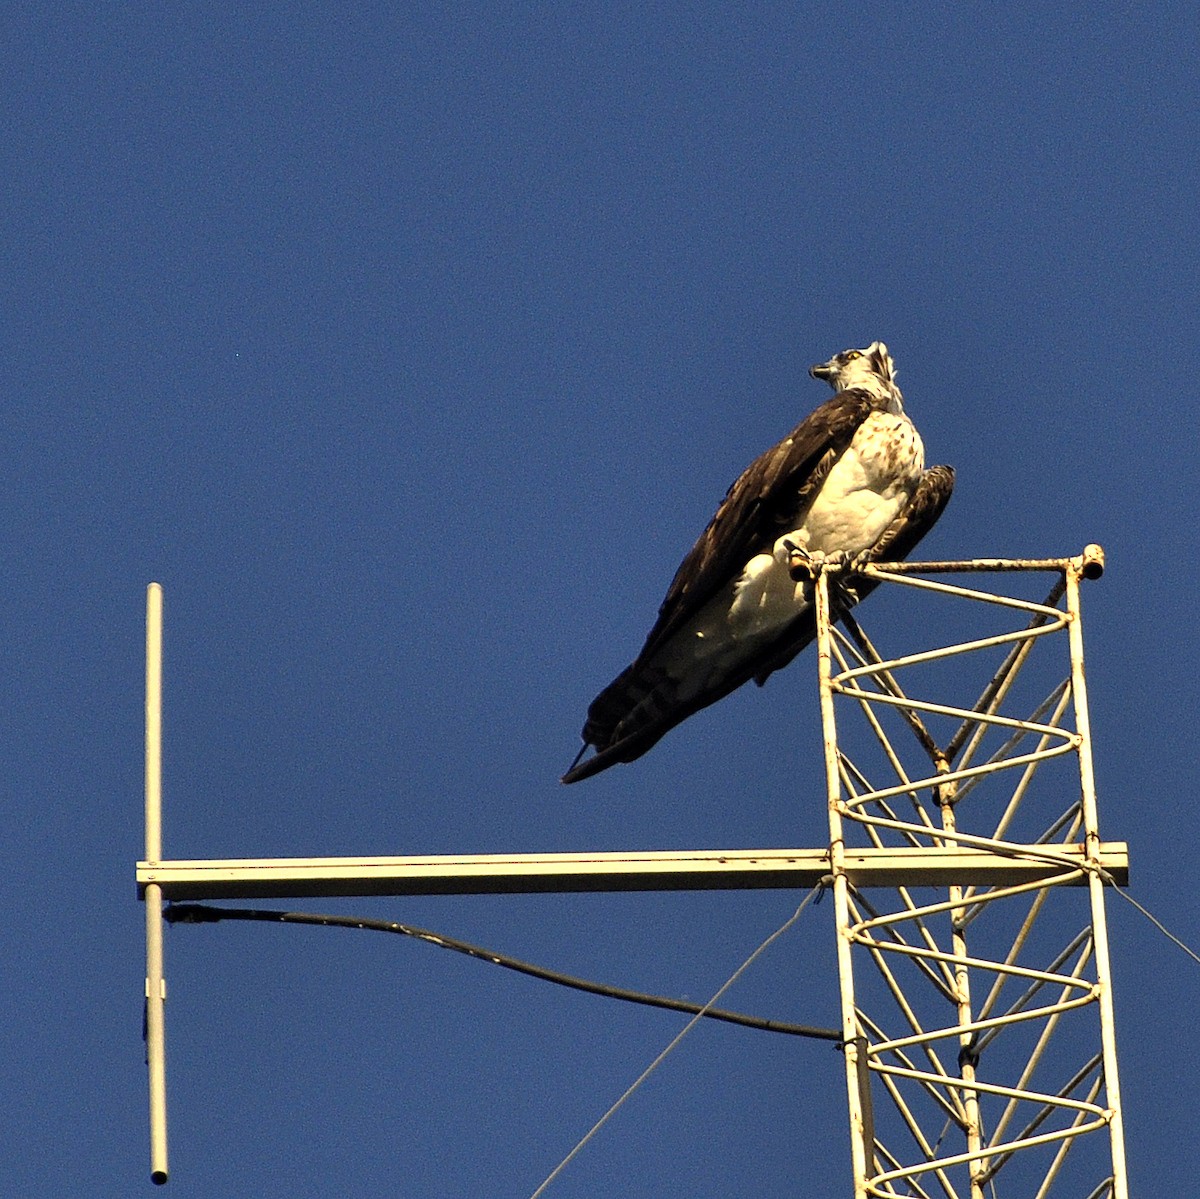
x: 968, y: 879
x: 980, y: 1051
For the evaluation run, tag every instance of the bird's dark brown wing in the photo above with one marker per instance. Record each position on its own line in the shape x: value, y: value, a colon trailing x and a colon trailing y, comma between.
x: 769, y: 497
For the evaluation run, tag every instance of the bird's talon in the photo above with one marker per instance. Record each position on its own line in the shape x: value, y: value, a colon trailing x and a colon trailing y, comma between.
x: 801, y: 564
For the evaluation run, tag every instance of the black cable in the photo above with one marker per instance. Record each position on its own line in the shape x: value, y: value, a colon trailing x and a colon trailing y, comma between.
x: 198, y: 913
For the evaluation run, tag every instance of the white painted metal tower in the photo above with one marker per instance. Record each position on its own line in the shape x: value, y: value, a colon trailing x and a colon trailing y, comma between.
x: 968, y: 877
x: 978, y: 1020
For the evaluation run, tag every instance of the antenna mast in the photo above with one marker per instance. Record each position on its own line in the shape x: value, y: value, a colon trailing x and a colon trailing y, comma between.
x: 968, y: 872
x: 978, y: 1020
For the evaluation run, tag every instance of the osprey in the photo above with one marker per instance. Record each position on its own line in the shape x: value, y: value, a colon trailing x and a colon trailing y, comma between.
x: 848, y: 485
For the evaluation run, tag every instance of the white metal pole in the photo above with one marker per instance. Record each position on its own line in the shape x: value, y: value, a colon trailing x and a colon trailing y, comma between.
x: 154, y: 624
x: 1108, y: 1037
x: 155, y: 983
x: 962, y: 983
x: 853, y: 1043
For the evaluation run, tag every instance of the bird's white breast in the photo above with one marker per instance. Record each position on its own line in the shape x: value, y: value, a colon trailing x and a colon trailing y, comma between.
x: 867, y: 487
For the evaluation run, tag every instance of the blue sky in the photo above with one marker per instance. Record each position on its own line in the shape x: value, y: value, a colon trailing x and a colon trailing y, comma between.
x: 409, y: 348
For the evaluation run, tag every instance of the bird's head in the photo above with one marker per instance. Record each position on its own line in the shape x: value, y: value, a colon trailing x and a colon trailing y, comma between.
x: 872, y: 370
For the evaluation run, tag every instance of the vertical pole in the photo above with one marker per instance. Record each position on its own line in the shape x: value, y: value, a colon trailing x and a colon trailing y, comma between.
x: 854, y: 1047
x: 155, y: 983
x: 962, y: 984
x: 1108, y: 1039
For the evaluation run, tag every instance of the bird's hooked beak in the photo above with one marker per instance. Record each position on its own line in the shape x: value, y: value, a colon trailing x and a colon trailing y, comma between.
x: 822, y: 370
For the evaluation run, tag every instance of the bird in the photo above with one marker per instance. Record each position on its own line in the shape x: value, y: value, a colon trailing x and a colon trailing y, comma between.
x: 847, y: 486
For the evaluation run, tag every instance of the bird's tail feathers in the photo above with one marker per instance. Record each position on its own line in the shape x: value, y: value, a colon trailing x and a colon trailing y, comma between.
x: 627, y: 718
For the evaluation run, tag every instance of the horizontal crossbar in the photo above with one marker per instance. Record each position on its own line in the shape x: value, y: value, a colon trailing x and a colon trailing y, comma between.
x: 672, y: 870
